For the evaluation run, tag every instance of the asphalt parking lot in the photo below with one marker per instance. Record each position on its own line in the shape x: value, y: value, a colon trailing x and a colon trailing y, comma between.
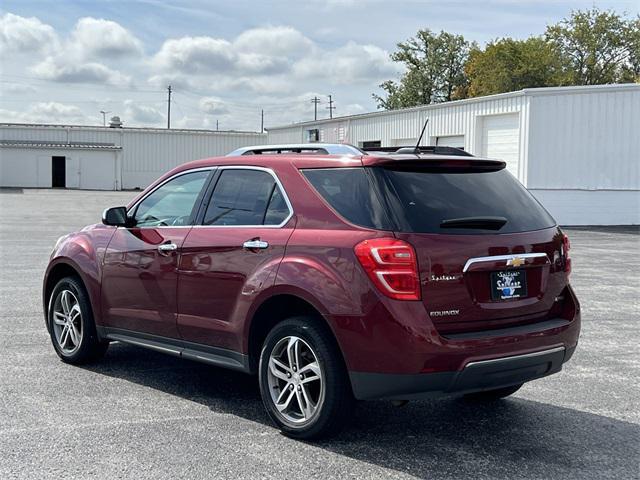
x: 139, y: 414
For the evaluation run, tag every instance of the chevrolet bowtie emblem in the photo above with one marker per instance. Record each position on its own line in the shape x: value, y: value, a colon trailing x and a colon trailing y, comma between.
x: 515, y: 262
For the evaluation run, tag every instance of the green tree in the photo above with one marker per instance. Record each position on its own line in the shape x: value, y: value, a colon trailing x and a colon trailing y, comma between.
x: 601, y: 46
x: 434, y: 71
x: 631, y: 71
x: 506, y: 65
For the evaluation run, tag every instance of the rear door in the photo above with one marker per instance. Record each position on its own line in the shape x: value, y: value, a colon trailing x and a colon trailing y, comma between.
x: 232, y: 255
x: 488, y: 253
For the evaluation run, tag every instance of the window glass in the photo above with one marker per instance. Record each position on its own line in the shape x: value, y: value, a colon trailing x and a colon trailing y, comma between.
x: 173, y: 203
x: 349, y: 192
x: 424, y: 199
x: 246, y: 197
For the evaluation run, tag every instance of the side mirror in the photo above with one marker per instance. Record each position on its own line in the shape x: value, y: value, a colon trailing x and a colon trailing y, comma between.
x: 115, y: 216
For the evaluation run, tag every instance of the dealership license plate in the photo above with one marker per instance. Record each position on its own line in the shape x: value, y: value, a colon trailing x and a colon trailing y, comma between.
x: 508, y: 284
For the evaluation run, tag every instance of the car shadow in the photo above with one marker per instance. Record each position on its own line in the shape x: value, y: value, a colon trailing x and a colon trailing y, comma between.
x: 446, y: 438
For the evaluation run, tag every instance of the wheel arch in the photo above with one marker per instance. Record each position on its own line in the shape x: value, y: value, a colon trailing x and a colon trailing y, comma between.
x: 62, y: 268
x: 275, y: 309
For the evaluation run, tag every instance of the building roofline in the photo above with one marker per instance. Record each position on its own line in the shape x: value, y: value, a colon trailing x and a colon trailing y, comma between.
x: 530, y: 92
x: 127, y: 129
x: 60, y: 146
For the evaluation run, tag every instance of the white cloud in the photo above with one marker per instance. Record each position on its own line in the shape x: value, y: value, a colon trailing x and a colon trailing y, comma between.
x: 273, y: 41
x: 45, y: 112
x: 23, y: 35
x: 17, y: 88
x: 142, y: 114
x: 213, y: 106
x: 195, y: 55
x: 351, y: 63
x: 82, y: 57
x: 56, y: 109
x: 266, y: 60
x: 58, y: 69
x: 104, y: 38
x: 259, y: 51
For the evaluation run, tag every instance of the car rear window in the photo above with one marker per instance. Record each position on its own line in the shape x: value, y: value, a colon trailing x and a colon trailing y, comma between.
x: 351, y: 194
x: 422, y: 200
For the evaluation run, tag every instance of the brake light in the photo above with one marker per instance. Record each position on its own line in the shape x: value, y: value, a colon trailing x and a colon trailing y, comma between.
x: 392, y: 266
x: 566, y: 246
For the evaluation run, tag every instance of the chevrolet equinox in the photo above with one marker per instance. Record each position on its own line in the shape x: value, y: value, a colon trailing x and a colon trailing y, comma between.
x: 333, y: 274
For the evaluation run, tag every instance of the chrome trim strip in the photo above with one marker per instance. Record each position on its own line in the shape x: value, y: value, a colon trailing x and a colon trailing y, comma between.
x: 280, y: 186
x: 138, y: 342
x: 516, y: 357
x: 225, y: 167
x: 497, y: 258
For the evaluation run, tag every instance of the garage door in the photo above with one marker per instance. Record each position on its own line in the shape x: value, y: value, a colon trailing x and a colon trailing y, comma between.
x: 501, y: 139
x: 456, y: 141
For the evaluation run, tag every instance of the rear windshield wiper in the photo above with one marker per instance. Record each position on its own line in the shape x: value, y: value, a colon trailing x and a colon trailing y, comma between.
x: 486, y: 223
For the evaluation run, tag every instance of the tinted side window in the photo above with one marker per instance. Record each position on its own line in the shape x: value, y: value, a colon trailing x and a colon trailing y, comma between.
x: 172, y: 204
x: 350, y: 193
x: 246, y: 197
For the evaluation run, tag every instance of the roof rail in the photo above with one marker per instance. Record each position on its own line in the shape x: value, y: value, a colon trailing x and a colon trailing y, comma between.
x: 304, y: 148
x: 429, y: 149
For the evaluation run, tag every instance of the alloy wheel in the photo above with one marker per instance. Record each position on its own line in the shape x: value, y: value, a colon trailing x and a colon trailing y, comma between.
x: 295, y: 380
x: 67, y: 322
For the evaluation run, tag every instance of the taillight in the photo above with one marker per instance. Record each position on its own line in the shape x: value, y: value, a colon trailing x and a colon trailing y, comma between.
x: 566, y: 246
x: 392, y: 266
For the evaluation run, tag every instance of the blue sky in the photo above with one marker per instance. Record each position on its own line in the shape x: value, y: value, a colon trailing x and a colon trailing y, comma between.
x: 64, y: 61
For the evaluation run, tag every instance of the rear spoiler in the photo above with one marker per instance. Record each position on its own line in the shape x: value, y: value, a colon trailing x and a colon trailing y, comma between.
x: 428, y: 149
x: 431, y: 164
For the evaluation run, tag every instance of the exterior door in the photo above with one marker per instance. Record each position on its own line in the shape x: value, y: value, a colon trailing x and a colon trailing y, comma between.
x: 58, y: 172
x: 140, y: 271
x: 501, y: 140
x: 234, y: 254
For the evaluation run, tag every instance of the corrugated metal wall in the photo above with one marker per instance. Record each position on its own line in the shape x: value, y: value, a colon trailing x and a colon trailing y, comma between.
x: 146, y: 153
x: 578, y: 147
x: 573, y: 137
x: 585, y: 139
x: 454, y: 118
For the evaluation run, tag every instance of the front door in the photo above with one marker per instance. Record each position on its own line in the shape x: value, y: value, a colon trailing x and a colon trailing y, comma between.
x: 140, y: 272
x: 232, y: 256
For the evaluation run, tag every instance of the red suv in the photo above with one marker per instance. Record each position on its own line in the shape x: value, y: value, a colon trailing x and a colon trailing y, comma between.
x: 332, y: 274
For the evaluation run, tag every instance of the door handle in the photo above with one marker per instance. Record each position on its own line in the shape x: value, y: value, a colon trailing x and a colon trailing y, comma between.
x: 167, y: 248
x: 253, y: 244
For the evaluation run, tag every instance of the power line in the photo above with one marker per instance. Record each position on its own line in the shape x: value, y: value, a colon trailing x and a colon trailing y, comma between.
x: 44, y: 82
x: 331, y: 107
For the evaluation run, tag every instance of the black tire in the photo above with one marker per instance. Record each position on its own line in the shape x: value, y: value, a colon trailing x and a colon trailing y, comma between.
x: 492, y: 395
x: 90, y: 348
x: 336, y: 407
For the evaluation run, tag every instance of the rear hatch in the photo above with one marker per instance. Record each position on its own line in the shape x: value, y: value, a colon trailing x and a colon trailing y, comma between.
x: 489, y: 255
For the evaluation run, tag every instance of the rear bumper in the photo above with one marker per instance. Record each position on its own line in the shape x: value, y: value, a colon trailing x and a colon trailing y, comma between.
x: 475, y: 376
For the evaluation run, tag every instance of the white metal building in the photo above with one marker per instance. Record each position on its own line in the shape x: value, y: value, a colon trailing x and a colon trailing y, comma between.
x: 104, y: 158
x: 577, y: 149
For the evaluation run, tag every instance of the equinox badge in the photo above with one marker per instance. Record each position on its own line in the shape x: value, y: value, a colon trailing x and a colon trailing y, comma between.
x: 444, y: 313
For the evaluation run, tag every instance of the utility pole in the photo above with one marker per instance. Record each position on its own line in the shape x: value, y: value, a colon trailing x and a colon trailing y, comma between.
x: 331, y: 107
x: 104, y: 117
x: 315, y: 101
x: 217, y: 125
x: 169, y: 107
